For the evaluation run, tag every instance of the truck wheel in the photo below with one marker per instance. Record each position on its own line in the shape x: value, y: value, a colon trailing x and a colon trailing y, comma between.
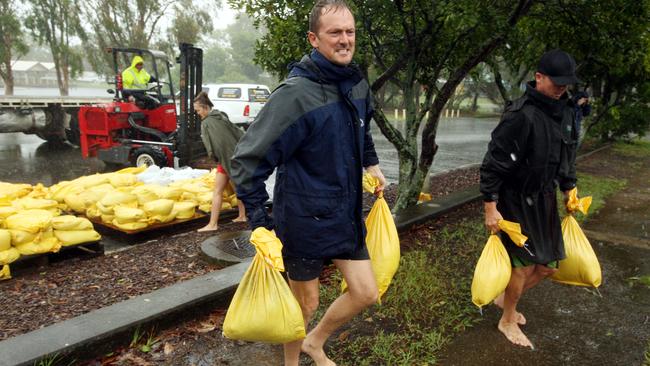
x: 73, y: 134
x: 149, y: 156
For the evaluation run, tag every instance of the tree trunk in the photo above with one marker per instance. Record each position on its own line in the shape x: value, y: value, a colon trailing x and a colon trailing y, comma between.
x: 475, y: 103
x: 9, y: 82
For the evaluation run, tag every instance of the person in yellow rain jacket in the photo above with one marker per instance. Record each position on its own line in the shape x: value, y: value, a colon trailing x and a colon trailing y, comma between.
x: 136, y: 77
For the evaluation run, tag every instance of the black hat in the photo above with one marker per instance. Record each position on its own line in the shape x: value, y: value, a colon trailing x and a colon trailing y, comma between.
x: 559, y: 66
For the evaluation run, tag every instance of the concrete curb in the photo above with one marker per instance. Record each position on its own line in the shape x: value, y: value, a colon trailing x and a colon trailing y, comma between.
x: 95, y: 329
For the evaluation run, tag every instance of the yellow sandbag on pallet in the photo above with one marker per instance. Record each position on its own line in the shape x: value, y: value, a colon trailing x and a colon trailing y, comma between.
x: 125, y: 214
x: 493, y: 269
x: 13, y: 191
x: 205, y: 207
x: 159, y: 211
x: 263, y: 308
x: 89, y: 181
x: 39, y: 191
x: 28, y: 203
x: 31, y: 221
x: 122, y: 180
x: 45, y: 245
x: 69, y: 222
x: 73, y: 237
x: 184, y: 209
x: 146, y: 193
x: 5, y: 239
x: 6, y: 211
x: 115, y: 198
x: 80, y: 202
x: 381, y: 239
x: 580, y: 267
x: 19, y: 237
x: 8, y: 256
x: 136, y: 225
x: 5, y: 273
x: 132, y: 170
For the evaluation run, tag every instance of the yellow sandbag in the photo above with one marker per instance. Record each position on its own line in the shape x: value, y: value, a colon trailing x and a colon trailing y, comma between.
x: 39, y: 191
x: 171, y: 193
x: 132, y: 170
x: 233, y: 202
x: 122, y: 180
x: 91, y: 180
x: 6, y: 211
x: 5, y: 273
x: 189, y: 196
x: 146, y: 193
x: 161, y: 218
x: 45, y: 245
x: 13, y: 191
x: 205, y: 197
x: 136, y: 225
x: 34, y: 203
x: 93, y: 212
x: 102, y: 189
x: 5, y: 239
x: 263, y: 308
x: 30, y: 220
x: 69, y: 222
x: 161, y: 207
x: 107, y: 218
x: 580, y: 267
x: 206, y: 207
x: 21, y: 237
x: 118, y: 198
x: 125, y: 214
x: 493, y: 269
x: 9, y: 255
x: 184, y: 209
x: 80, y: 202
x: 196, y: 188
x: 383, y: 245
x: 73, y: 237
x: 225, y: 206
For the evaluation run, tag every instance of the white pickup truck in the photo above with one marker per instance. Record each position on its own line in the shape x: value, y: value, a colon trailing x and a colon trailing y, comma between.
x: 241, y: 102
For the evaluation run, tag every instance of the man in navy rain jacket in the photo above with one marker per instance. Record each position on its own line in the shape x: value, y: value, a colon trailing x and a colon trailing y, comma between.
x: 315, y: 130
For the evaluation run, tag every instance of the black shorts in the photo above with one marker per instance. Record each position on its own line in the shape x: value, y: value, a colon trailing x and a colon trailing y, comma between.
x: 307, y: 269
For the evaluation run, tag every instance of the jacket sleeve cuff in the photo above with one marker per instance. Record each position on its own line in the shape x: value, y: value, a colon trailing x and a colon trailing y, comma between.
x: 490, y: 197
x: 567, y: 186
x: 259, y: 218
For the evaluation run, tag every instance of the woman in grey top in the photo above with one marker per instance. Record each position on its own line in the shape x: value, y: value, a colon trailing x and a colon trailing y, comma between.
x: 220, y: 137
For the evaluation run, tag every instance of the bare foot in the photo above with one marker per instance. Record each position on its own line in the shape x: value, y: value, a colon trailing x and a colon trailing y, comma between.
x: 239, y: 219
x: 514, y: 334
x: 521, y: 319
x: 208, y: 227
x: 316, y: 353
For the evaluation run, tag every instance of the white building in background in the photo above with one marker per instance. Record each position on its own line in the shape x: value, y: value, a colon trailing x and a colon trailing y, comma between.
x: 38, y: 73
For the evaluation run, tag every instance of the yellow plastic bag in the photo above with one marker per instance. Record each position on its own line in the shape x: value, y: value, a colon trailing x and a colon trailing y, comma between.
x: 184, y: 209
x: 5, y: 239
x: 69, y: 222
x: 578, y: 204
x: 8, y: 256
x: 31, y: 221
x: 5, y: 273
x: 74, y: 237
x: 263, y: 308
x: 45, y: 245
x: 132, y: 170
x: 383, y: 245
x: 580, y: 267
x: 493, y: 269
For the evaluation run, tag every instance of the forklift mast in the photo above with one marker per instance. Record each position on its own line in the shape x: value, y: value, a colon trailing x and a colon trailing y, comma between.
x: 189, y: 143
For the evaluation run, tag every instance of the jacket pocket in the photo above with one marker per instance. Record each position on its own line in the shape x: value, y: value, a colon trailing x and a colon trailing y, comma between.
x: 318, y: 204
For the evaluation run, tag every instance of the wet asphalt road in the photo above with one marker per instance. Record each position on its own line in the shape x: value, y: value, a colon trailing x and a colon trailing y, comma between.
x: 28, y: 159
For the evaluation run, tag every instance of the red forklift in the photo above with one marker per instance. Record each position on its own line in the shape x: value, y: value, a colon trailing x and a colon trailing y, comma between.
x: 146, y: 127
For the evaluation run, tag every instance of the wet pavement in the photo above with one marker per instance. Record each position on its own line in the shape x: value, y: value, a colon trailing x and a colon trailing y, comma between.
x: 28, y: 159
x: 574, y: 325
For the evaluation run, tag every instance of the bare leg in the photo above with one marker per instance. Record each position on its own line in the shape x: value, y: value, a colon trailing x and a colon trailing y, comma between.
x: 362, y: 292
x: 540, y: 273
x: 242, y: 212
x: 521, y: 319
x: 220, y: 181
x: 508, y: 322
x: 306, y: 292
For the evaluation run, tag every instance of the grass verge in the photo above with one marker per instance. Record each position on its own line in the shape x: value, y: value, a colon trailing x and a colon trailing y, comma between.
x: 428, y: 302
x: 599, y: 188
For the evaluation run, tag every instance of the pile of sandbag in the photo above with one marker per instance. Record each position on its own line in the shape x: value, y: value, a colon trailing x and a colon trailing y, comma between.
x: 121, y: 199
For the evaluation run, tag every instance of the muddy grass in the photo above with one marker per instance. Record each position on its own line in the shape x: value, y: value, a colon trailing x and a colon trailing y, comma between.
x: 48, y: 294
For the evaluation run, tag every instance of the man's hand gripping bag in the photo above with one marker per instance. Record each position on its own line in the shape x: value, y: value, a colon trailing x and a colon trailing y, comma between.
x: 381, y: 239
x: 580, y: 267
x: 493, y: 269
x: 263, y: 308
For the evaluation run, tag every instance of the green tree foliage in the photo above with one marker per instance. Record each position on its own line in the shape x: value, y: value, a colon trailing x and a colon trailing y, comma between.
x: 410, y: 44
x: 55, y: 23
x: 230, y: 54
x: 610, y: 40
x: 12, y: 43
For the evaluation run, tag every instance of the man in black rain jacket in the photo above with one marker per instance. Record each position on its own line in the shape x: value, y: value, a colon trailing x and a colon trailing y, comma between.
x: 531, y: 153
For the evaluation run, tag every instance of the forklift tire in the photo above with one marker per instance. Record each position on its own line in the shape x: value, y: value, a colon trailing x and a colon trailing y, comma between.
x: 149, y: 156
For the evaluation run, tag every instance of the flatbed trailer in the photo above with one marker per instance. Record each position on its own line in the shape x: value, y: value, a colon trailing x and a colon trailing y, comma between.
x: 52, y: 118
